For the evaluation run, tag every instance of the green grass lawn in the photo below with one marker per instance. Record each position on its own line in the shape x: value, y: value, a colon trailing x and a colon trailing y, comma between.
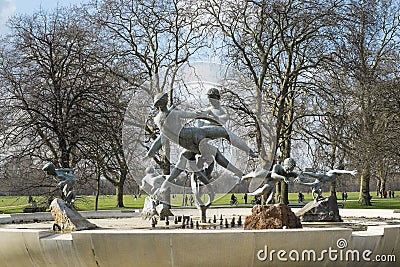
x: 13, y: 204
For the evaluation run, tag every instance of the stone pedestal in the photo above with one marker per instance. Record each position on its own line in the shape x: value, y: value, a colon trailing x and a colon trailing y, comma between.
x: 203, y: 212
x: 164, y: 211
x: 153, y: 207
x: 67, y: 219
x: 276, y: 216
x: 149, y: 208
x: 321, y: 210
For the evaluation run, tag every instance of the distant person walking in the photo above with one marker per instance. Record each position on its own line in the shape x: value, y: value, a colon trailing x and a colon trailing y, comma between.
x: 300, y: 197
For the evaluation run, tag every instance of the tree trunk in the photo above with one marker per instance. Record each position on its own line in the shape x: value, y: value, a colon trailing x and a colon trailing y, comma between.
x: 365, y: 198
x: 382, y: 177
x: 285, y: 193
x: 166, y: 170
x: 278, y: 192
x: 266, y: 157
x: 378, y: 187
x: 120, y: 194
x: 332, y: 188
x: 286, y: 154
x: 64, y: 153
x: 96, y: 203
x: 383, y: 185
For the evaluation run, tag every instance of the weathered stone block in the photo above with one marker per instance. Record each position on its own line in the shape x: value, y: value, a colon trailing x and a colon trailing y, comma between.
x: 67, y: 219
x: 321, y: 210
x: 277, y: 216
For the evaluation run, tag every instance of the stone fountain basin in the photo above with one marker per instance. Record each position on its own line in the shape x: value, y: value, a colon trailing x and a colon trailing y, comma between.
x: 117, y: 245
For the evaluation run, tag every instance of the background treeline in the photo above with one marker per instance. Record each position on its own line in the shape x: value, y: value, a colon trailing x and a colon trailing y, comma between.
x: 326, y: 73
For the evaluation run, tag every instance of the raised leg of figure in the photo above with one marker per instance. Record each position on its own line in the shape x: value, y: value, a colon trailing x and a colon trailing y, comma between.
x: 204, y: 179
x: 271, y: 195
x: 221, y: 160
x: 174, y: 174
x: 319, y: 193
x: 194, y: 166
x: 209, y: 170
x: 196, y: 190
x: 178, y: 169
x: 220, y: 132
x: 70, y: 198
x: 312, y: 193
x: 237, y: 142
x: 260, y: 191
x: 70, y: 184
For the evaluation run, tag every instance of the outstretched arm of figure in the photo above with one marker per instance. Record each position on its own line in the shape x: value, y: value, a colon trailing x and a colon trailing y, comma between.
x: 195, y: 115
x: 335, y: 171
x: 314, y: 175
x: 186, y: 114
x: 274, y: 175
x: 206, y: 112
x: 309, y: 184
x: 64, y: 174
x: 209, y: 119
x: 257, y: 174
x: 276, y: 169
x: 157, y: 144
x: 218, y: 113
x: 66, y: 170
x: 300, y: 178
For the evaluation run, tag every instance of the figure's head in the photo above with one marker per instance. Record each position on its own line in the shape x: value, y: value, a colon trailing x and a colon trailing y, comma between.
x: 213, y: 93
x: 289, y: 164
x: 160, y: 99
x: 149, y: 170
x: 49, y: 168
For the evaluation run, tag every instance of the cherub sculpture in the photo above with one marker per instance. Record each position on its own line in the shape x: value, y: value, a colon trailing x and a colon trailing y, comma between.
x: 151, y: 182
x: 194, y: 140
x: 279, y: 173
x: 321, y: 178
x: 67, y: 178
x: 217, y: 112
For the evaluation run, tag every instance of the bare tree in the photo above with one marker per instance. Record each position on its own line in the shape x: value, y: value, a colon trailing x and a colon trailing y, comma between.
x: 48, y: 83
x: 59, y: 97
x: 386, y: 117
x: 367, y: 50
x: 159, y: 36
x: 277, y: 44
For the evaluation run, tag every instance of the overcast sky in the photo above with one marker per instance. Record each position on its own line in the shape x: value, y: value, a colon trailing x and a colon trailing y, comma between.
x: 9, y: 8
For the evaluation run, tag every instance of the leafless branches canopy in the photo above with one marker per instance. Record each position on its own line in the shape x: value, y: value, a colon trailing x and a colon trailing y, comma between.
x: 324, y: 76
